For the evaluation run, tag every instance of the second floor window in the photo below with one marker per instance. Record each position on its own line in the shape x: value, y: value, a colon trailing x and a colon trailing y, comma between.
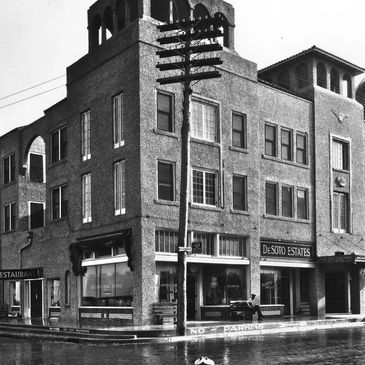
x: 271, y: 199
x: 85, y: 136
x: 340, y: 212
x: 270, y: 140
x: 9, y: 168
x: 86, y: 198
x: 301, y: 148
x: 302, y: 204
x: 36, y: 172
x: 204, y: 188
x: 59, y: 202
x: 118, y: 124
x: 239, y: 130
x: 9, y: 217
x: 36, y: 216
x: 204, y: 121
x: 59, y: 145
x: 286, y: 144
x: 166, y: 181
x: 239, y: 193
x: 119, y: 188
x: 165, y: 112
x: 340, y: 155
x: 287, y: 201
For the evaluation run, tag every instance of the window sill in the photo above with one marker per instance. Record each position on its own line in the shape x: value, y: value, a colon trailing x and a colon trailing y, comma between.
x: 57, y: 163
x: 165, y: 133
x: 239, y: 212
x: 166, y: 202
x: 238, y: 149
x: 56, y: 220
x: 285, y: 162
x: 206, y: 207
x: 118, y: 145
x: 203, y: 141
x: 341, y: 170
x: 287, y: 219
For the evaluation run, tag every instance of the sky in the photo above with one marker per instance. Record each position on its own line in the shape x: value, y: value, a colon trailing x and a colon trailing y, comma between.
x: 40, y: 38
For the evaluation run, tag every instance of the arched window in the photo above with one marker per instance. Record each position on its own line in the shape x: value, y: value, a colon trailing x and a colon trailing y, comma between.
x: 335, y: 81
x: 200, y: 11
x: 36, y: 160
x: 160, y: 10
x: 96, y: 31
x: 108, y: 22
x: 347, y: 85
x: 284, y: 80
x: 120, y: 11
x: 321, y: 75
x: 223, y: 27
x: 67, y: 288
x: 181, y: 10
x: 301, y: 75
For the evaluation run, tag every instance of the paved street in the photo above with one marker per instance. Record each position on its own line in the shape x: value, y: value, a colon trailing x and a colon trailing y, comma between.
x: 335, y: 346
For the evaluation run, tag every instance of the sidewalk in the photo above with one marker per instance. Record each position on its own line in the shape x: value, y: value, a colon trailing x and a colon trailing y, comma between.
x: 97, y: 332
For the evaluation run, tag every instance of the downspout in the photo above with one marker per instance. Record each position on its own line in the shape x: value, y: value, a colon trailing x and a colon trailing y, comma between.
x: 30, y: 241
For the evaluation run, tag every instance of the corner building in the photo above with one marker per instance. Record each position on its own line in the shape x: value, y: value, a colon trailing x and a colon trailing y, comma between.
x: 90, y: 191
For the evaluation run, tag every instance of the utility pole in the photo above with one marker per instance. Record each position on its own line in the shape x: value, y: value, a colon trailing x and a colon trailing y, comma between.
x: 192, y: 38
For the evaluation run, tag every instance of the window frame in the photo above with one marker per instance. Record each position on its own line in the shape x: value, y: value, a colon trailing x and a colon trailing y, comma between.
x: 288, y: 147
x: 118, y: 122
x: 243, y: 133
x: 304, y: 150
x: 9, y: 174
x: 172, y: 177
x: 275, y: 199
x: 43, y: 167
x: 336, y: 206
x: 86, y: 198
x: 244, y: 192
x: 306, y: 202
x: 12, y: 217
x: 204, y: 191
x: 85, y: 135
x: 119, y: 171
x: 345, y: 158
x: 289, y: 203
x: 61, y: 203
x: 60, y: 153
x: 30, y: 214
x: 171, y: 113
x: 273, y: 142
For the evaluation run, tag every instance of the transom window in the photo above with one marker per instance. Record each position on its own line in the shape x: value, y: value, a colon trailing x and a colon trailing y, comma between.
x: 165, y: 112
x: 118, y: 125
x: 340, y: 154
x: 204, y: 121
x: 85, y: 136
x: 204, y: 187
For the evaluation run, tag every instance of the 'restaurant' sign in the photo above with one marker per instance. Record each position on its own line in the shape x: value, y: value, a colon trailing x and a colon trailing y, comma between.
x: 278, y: 249
x: 21, y: 274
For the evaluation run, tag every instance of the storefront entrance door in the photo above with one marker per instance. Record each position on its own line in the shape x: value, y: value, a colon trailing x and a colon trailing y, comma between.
x: 335, y: 292
x: 36, y: 298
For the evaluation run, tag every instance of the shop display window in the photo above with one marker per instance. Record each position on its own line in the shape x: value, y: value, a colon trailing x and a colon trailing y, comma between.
x: 168, y: 286
x: 54, y: 292
x: 15, y: 294
x: 107, y: 285
x: 274, y: 286
x: 223, y: 284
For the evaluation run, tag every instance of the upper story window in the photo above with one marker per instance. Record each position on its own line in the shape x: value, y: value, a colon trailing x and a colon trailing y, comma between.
x: 340, y: 212
x: 36, y: 216
x: 118, y: 123
x: 301, y: 148
x: 204, y: 121
x: 239, y: 193
x: 36, y: 167
x: 119, y: 187
x: 287, y: 201
x: 233, y: 246
x: 321, y: 75
x: 9, y: 168
x: 286, y: 144
x: 59, y: 145
x: 335, y: 81
x: 165, y: 112
x: 204, y: 187
x: 239, y: 133
x: 302, y: 203
x: 271, y: 195
x: 166, y: 179
x: 340, y: 155
x: 85, y: 136
x: 86, y: 198
x: 59, y: 202
x: 9, y: 217
x: 270, y: 139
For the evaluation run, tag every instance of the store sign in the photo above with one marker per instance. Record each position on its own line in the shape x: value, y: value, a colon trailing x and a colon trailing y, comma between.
x: 21, y: 274
x: 277, y: 249
x: 196, y: 247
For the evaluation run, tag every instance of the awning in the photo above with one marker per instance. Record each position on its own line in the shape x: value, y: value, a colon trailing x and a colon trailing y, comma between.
x: 117, y: 239
x: 351, y: 259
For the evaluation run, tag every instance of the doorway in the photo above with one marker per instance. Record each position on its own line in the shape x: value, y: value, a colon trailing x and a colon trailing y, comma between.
x: 191, y: 297
x: 335, y: 292
x: 33, y: 298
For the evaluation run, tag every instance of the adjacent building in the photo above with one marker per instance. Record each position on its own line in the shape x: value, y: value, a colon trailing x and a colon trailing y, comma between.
x: 90, y: 192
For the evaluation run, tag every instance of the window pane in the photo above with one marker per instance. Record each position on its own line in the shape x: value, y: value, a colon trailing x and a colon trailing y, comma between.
x: 302, y: 204
x: 118, y: 127
x: 238, y: 131
x: 36, y: 168
x: 55, y: 151
x: 204, y: 121
x: 270, y: 140
x: 210, y: 189
x: 271, y: 206
x: 287, y: 209
x: 340, y: 155
x: 56, y: 203
x: 86, y: 198
x: 85, y: 135
x: 239, y: 193
x: 286, y: 144
x: 36, y: 215
x: 164, y: 112
x: 63, y: 146
x: 119, y: 187
x: 198, y: 187
x: 165, y: 181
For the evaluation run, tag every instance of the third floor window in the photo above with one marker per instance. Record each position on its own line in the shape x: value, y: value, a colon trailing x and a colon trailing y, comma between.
x: 118, y: 124
x: 204, y: 188
x: 59, y: 145
x: 9, y: 168
x: 340, y: 155
x: 270, y: 140
x: 239, y: 130
x: 85, y: 136
x: 165, y: 112
x: 59, y: 202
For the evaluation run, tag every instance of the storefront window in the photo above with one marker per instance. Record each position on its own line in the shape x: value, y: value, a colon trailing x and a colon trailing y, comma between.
x: 54, y: 292
x: 107, y: 285
x: 223, y: 284
x: 275, y: 286
x: 15, y: 293
x: 168, y: 286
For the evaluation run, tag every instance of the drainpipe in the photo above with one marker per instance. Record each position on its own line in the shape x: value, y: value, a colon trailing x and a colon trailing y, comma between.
x: 30, y: 240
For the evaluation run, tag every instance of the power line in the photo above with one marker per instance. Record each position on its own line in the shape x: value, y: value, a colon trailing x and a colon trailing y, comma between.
x: 31, y: 87
x: 33, y: 96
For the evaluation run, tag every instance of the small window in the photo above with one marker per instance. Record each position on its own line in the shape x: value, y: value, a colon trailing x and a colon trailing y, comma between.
x: 118, y: 124
x: 166, y: 189
x: 301, y: 153
x: 204, y: 121
x: 287, y: 201
x: 119, y: 188
x: 9, y: 168
x: 36, y: 170
x: 9, y: 217
x: 270, y: 140
x: 165, y: 112
x: 302, y: 204
x: 239, y: 193
x: 232, y: 246
x: 335, y: 81
x: 207, y: 241
x: 340, y: 212
x: 59, y: 145
x: 271, y: 199
x: 286, y: 144
x: 340, y: 155
x: 166, y: 241
x: 85, y: 136
x: 59, y: 202
x: 204, y: 188
x: 86, y: 198
x: 36, y: 215
x: 239, y: 130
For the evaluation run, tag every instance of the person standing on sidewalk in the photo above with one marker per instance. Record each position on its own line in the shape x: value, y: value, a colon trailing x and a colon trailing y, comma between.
x: 255, y: 307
